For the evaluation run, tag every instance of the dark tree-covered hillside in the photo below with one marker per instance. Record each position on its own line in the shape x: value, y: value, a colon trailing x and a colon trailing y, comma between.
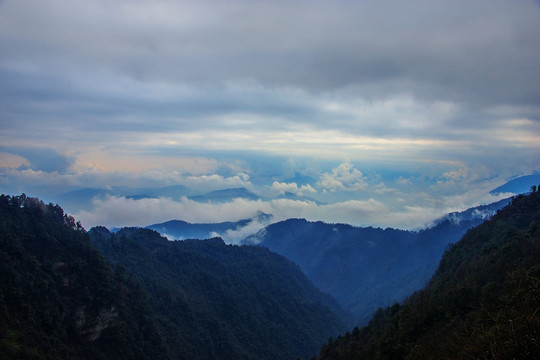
x: 59, y: 299
x: 218, y: 301
x: 482, y: 303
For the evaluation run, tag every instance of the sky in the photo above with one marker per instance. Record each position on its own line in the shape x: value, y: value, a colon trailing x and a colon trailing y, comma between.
x: 375, y: 113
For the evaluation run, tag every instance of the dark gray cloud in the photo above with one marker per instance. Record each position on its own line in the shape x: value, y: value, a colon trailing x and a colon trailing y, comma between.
x: 41, y: 158
x: 135, y: 89
x: 435, y: 49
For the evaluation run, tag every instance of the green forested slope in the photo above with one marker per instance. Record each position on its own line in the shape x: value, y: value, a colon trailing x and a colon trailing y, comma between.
x: 220, y: 301
x: 482, y: 303
x: 58, y: 297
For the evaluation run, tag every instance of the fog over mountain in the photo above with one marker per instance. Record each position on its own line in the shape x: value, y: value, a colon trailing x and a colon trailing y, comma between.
x: 481, y: 303
x: 365, y: 268
x: 231, y: 232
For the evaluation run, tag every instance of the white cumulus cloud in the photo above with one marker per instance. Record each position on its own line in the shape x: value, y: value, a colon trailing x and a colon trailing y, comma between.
x: 343, y: 178
x: 293, y: 187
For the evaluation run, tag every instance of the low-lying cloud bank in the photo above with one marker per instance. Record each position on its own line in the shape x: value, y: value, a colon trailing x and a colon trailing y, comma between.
x: 115, y: 211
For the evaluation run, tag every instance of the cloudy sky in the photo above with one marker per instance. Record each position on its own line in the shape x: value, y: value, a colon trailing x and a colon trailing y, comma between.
x: 388, y: 113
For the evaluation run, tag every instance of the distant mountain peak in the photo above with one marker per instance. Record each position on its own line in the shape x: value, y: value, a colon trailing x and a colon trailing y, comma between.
x: 300, y: 179
x: 262, y: 216
x: 225, y: 195
x: 293, y: 196
x: 519, y: 185
x: 482, y: 212
x: 181, y: 230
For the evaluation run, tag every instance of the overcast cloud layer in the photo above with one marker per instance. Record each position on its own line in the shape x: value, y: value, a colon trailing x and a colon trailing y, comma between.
x: 387, y: 113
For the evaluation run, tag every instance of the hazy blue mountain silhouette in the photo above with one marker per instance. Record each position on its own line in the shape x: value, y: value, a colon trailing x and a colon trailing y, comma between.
x: 481, y: 303
x: 520, y: 185
x: 180, y: 230
x: 296, y: 197
x: 82, y: 198
x: 225, y: 195
x: 366, y: 268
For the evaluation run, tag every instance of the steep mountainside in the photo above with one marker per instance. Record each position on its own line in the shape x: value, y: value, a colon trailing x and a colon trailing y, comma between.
x: 219, y: 301
x: 365, y: 268
x: 58, y: 297
x: 482, y: 303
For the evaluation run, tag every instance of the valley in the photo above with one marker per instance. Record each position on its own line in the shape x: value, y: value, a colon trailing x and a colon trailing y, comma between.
x: 279, y: 294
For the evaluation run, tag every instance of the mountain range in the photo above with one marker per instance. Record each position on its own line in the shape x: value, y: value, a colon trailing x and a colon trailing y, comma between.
x: 70, y: 294
x: 82, y: 198
x: 482, y: 302
x: 180, y: 230
x: 363, y: 268
x: 225, y: 195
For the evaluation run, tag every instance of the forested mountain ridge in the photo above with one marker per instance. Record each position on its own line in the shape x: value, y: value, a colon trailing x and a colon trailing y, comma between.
x: 59, y: 299
x: 220, y: 301
x: 483, y: 302
x: 365, y: 268
x: 180, y: 230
